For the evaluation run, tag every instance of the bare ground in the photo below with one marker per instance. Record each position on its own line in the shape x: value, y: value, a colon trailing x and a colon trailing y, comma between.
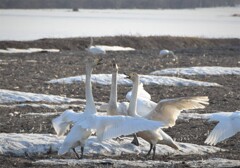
x: 29, y: 72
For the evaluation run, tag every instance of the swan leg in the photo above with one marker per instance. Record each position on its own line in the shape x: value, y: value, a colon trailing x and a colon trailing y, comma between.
x: 82, y: 149
x: 76, y: 153
x: 151, y: 146
x: 154, y: 151
x: 135, y: 140
x: 118, y: 139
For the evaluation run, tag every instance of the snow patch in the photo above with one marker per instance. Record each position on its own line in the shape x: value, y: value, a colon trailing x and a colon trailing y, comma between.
x: 32, y: 144
x: 8, y: 96
x: 29, y: 50
x: 115, y: 48
x: 27, y: 144
x: 105, y: 79
x: 187, y: 116
x: 211, y: 70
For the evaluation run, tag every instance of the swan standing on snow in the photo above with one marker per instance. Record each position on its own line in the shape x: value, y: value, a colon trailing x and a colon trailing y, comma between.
x: 106, y: 127
x: 94, y: 49
x: 154, y: 137
x: 168, y: 110
x: 229, y: 125
x: 77, y: 135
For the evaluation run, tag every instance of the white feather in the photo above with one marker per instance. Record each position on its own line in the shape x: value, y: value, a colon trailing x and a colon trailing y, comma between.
x: 107, y: 127
x: 229, y: 125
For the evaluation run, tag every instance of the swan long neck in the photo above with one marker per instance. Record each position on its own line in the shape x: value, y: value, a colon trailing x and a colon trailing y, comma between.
x: 133, y: 103
x: 112, y: 104
x: 91, y: 42
x: 113, y: 94
x: 90, y: 105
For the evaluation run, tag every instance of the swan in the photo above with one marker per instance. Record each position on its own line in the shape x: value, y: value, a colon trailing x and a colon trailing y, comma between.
x: 228, y: 126
x: 166, y: 52
x: 94, y: 49
x: 77, y: 135
x: 144, y: 103
x: 168, y: 110
x: 105, y: 127
x: 153, y: 137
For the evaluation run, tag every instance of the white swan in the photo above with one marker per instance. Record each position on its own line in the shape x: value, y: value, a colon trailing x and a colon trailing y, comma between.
x: 154, y: 137
x: 94, y: 49
x: 229, y: 125
x: 105, y: 126
x: 168, y: 110
x: 77, y: 135
x: 144, y: 103
x: 166, y: 52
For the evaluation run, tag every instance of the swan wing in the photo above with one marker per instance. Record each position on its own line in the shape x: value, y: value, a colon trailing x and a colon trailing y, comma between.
x: 168, y: 110
x: 227, y: 127
x: 107, y: 127
x: 62, y: 123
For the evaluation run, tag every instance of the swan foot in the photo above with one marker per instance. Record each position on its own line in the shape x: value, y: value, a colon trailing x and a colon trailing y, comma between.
x: 119, y: 139
x: 77, y: 155
x: 135, y: 140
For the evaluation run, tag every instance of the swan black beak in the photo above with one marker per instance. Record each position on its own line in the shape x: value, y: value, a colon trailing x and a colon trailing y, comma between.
x: 127, y: 76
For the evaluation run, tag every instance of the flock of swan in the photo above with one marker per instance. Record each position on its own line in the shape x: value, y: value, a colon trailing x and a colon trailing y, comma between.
x: 140, y: 117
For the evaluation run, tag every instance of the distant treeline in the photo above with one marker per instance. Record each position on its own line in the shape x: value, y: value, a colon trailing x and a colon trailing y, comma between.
x: 117, y: 4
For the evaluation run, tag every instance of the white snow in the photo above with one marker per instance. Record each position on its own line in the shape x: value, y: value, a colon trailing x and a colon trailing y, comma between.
x: 115, y: 48
x: 8, y: 96
x: 43, y: 105
x: 208, y: 163
x: 29, y: 50
x: 32, y: 144
x: 22, y: 144
x: 42, y: 114
x: 105, y: 79
x: 205, y: 70
x: 187, y: 116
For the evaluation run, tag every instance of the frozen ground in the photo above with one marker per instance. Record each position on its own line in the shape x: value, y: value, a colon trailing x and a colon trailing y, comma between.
x: 26, y: 110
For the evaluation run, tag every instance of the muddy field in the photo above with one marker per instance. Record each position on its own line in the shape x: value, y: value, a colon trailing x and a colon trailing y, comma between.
x: 29, y: 72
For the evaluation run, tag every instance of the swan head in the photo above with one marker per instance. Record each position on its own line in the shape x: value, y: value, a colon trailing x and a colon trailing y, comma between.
x: 132, y: 76
x: 114, y: 66
x: 93, y: 62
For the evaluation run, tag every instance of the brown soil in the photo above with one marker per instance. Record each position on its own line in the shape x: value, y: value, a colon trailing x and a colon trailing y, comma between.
x: 19, y: 73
